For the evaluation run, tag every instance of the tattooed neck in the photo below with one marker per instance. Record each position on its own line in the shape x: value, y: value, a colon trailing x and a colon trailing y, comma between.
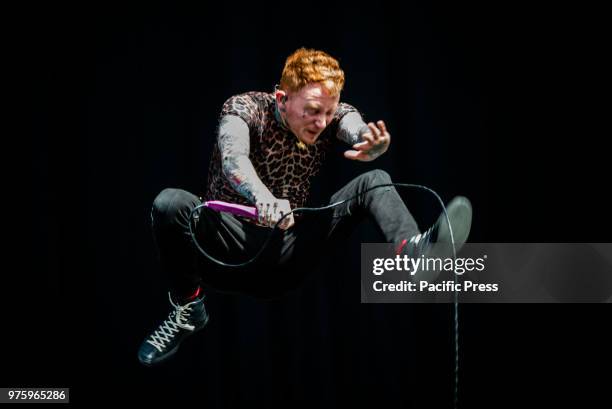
x: 280, y: 119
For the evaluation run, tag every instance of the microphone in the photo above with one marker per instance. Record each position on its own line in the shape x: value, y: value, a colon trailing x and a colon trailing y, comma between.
x: 235, y: 209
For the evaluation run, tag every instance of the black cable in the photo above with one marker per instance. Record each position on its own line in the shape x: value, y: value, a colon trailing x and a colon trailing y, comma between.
x: 193, y: 216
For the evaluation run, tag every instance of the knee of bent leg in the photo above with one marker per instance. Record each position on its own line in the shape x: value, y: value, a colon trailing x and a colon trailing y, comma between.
x: 377, y: 177
x: 171, y: 203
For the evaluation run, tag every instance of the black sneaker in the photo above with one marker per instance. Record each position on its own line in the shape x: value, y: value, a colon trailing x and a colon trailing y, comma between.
x: 436, y: 241
x: 184, y: 320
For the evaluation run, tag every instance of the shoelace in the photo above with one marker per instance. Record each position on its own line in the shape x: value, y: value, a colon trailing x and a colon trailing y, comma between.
x: 176, y: 321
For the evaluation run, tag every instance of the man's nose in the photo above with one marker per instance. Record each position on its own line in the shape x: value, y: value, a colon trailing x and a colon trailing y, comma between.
x: 321, y: 123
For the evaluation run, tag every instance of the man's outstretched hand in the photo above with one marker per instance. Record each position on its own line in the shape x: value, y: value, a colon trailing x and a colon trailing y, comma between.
x: 375, y: 143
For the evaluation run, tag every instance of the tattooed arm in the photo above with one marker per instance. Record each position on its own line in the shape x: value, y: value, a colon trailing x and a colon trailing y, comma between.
x: 234, y: 144
x: 351, y: 128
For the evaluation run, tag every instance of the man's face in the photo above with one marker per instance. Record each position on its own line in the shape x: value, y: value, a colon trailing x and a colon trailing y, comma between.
x: 308, y: 111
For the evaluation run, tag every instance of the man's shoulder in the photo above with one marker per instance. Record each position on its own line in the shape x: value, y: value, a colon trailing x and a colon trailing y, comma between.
x: 255, y: 96
x: 343, y: 109
x: 250, y: 106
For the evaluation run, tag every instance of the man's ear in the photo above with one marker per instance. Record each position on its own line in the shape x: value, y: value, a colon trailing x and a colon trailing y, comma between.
x: 281, y: 96
x: 281, y: 99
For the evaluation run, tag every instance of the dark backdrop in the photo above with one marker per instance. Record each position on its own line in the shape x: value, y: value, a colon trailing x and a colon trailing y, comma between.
x: 500, y: 103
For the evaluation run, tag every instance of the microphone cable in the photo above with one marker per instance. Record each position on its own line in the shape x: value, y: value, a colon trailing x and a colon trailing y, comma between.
x: 194, y: 216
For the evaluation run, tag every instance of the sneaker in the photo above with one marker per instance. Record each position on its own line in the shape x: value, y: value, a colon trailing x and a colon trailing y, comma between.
x: 183, y: 321
x: 436, y: 241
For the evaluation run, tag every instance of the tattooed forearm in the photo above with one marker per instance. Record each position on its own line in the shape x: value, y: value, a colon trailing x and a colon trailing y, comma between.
x: 351, y: 128
x: 243, y: 177
x: 234, y: 145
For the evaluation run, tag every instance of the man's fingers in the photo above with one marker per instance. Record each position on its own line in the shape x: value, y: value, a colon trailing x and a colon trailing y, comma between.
x: 287, y: 222
x: 272, y: 211
x: 374, y: 130
x: 355, y: 155
x: 350, y: 154
x: 261, y: 213
x: 268, y: 216
x: 385, y: 136
x: 367, y: 137
x: 290, y: 221
x: 278, y: 218
x: 382, y: 127
x: 361, y: 146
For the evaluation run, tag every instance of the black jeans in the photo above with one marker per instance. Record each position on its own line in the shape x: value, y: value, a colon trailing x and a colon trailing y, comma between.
x: 290, y: 255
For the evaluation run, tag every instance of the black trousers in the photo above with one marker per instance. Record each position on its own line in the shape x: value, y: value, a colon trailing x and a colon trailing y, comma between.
x: 291, y: 253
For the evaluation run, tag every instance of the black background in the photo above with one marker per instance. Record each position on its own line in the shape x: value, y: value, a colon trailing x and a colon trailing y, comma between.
x: 505, y: 104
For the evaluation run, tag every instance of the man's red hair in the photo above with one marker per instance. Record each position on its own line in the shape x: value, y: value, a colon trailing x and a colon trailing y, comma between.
x: 307, y: 66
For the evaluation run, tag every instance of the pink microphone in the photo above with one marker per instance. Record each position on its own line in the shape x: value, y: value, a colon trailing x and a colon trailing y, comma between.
x: 236, y: 209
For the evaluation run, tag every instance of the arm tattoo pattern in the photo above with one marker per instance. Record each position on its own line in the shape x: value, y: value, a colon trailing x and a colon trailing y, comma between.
x: 234, y: 145
x: 351, y: 128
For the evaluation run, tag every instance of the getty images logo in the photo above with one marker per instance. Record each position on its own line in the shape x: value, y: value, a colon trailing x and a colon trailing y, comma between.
x: 412, y: 265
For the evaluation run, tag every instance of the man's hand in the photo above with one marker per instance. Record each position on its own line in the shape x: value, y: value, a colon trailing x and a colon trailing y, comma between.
x: 375, y: 142
x: 271, y: 209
